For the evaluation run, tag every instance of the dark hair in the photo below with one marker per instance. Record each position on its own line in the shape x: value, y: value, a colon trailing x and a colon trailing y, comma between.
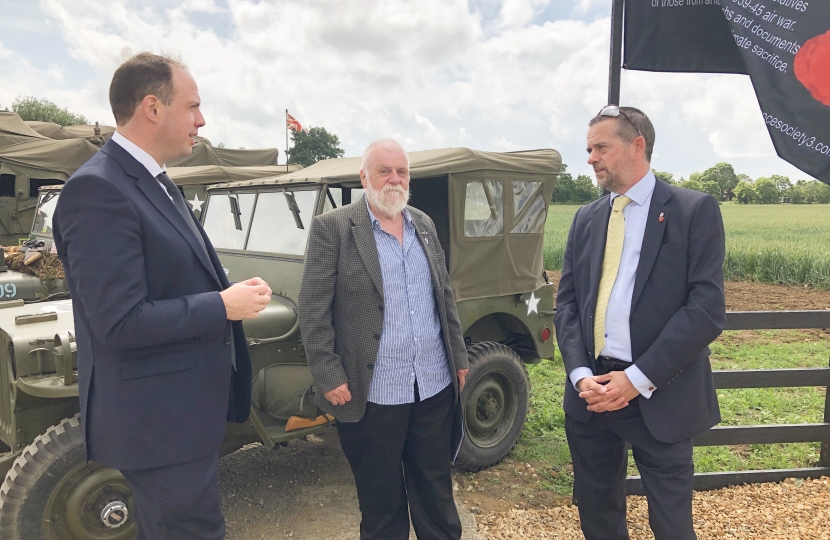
x: 142, y: 75
x: 631, y: 125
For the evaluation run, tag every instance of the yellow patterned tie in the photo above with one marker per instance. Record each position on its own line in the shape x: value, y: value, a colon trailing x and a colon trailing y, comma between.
x: 610, y: 268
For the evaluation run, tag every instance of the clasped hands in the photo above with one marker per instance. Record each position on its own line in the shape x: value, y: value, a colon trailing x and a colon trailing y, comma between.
x: 341, y: 394
x: 244, y: 300
x: 605, y: 393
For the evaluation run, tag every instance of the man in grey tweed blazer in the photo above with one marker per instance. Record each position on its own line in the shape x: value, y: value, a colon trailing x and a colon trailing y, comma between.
x: 384, y: 343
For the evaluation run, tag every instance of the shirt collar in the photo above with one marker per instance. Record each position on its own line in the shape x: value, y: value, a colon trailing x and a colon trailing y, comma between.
x: 140, y: 155
x: 639, y: 192
x: 374, y: 220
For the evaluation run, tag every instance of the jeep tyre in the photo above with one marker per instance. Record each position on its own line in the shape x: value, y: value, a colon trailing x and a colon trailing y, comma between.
x: 51, y: 493
x: 495, y: 402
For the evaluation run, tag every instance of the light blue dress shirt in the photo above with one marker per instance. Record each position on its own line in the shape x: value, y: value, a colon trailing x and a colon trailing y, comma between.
x: 411, y: 344
x: 617, y: 330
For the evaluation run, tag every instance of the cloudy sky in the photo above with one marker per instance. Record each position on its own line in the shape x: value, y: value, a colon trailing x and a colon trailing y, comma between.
x: 487, y: 74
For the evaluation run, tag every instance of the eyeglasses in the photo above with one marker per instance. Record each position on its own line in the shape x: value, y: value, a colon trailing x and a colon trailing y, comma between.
x: 614, y: 111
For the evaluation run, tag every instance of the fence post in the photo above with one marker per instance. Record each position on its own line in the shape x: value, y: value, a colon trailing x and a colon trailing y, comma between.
x: 824, y: 456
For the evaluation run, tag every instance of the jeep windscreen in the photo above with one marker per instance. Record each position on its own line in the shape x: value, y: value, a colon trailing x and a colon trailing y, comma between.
x: 42, y: 225
x: 270, y: 221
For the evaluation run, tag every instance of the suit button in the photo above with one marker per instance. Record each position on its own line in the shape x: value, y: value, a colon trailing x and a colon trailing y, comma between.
x: 380, y: 308
x: 227, y: 341
x: 377, y: 337
x: 370, y: 367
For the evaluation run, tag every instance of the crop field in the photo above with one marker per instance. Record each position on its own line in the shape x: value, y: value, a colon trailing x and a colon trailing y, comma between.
x: 788, y: 244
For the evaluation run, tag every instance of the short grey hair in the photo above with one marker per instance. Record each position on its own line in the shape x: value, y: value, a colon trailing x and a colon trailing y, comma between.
x: 628, y: 125
x: 381, y: 143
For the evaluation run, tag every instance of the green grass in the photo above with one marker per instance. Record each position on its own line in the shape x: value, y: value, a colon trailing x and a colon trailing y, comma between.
x: 543, y: 439
x: 766, y: 243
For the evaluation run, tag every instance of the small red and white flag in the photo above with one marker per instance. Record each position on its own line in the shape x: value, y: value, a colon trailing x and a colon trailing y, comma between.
x: 292, y: 123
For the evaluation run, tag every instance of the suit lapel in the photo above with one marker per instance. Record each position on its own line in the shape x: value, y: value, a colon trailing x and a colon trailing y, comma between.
x: 652, y: 238
x: 599, y: 231
x: 364, y: 240
x: 154, y: 192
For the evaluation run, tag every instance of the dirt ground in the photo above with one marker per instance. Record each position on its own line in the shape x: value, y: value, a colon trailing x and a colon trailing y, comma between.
x: 305, y: 490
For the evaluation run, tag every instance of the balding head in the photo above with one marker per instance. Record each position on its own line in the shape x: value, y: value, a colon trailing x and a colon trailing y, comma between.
x: 385, y: 145
x: 384, y: 174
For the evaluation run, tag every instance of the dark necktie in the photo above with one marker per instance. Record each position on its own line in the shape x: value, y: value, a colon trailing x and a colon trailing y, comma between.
x: 181, y: 206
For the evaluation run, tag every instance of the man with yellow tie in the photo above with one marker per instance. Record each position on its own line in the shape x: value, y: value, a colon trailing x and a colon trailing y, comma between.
x: 639, y: 302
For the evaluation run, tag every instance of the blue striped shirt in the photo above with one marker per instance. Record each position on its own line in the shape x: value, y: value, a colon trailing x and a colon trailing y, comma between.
x: 411, y: 346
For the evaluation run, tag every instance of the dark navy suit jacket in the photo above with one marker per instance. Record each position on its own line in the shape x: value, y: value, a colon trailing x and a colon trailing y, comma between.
x: 677, y: 308
x: 155, y: 378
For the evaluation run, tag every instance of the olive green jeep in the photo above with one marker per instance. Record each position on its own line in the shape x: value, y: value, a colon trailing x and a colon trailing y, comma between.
x: 489, y: 210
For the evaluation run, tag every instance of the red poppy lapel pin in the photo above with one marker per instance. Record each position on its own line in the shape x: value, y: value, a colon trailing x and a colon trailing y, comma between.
x: 662, y: 217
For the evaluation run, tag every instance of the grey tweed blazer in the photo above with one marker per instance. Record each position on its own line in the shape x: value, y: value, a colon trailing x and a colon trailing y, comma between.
x: 341, y: 304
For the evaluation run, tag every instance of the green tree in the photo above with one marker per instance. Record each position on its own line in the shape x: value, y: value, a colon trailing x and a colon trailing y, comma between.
x: 584, y: 190
x: 745, y: 178
x: 311, y: 147
x: 712, y: 188
x: 745, y: 193
x: 695, y: 176
x: 666, y: 177
x: 818, y: 192
x: 724, y: 176
x: 799, y: 192
x: 692, y: 184
x: 767, y: 191
x: 782, y: 183
x: 564, y: 186
x: 43, y: 110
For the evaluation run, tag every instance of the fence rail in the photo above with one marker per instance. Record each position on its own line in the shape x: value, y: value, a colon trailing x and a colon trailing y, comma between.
x: 765, y: 434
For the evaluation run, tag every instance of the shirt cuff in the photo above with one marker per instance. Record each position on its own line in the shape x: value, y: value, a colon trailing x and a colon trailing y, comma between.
x: 640, y: 381
x: 578, y: 374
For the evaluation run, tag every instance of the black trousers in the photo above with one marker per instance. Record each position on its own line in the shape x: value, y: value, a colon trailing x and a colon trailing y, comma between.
x: 179, y: 502
x: 600, y: 459
x: 401, y: 454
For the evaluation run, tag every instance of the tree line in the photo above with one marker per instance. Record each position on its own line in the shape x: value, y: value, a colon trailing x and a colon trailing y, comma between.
x: 720, y: 181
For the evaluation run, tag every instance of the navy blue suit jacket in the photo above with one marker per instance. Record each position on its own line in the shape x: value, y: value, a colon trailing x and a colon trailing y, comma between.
x: 154, y: 345
x: 677, y: 308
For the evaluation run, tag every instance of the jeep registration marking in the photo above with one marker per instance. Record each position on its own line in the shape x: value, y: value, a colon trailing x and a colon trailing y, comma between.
x: 8, y: 291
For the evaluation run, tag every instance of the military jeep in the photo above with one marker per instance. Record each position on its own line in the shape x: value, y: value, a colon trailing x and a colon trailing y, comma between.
x: 44, y: 280
x: 489, y: 210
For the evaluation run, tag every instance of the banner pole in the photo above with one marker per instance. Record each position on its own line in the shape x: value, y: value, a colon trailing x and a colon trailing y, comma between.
x: 286, y: 140
x: 614, y: 70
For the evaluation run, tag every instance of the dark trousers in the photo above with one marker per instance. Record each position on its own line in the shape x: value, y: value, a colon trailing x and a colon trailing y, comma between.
x: 179, y: 502
x: 600, y: 459
x: 400, y: 454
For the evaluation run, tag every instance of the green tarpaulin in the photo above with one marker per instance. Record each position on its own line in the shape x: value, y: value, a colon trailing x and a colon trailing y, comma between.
x: 60, y: 133
x: 13, y: 130
x: 45, y: 158
x: 497, y: 204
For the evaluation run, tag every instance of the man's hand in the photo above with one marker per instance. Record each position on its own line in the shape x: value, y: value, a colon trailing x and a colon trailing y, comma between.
x: 339, y: 395
x: 462, y: 377
x: 246, y: 299
x: 619, y: 380
x: 599, y: 396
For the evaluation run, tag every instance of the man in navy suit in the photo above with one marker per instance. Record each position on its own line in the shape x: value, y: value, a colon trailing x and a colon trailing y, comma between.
x: 640, y: 299
x: 162, y: 358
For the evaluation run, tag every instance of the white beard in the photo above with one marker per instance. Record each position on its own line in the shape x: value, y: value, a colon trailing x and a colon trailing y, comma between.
x: 389, y: 201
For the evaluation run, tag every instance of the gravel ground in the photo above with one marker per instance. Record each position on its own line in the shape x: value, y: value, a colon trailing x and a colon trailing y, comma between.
x: 303, y: 491
x: 791, y: 510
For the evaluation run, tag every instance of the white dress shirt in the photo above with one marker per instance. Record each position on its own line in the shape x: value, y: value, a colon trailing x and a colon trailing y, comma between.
x: 617, y: 330
x: 142, y: 157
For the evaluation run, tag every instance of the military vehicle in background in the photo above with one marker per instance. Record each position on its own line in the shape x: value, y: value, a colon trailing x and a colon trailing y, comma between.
x: 489, y: 211
x: 43, y: 278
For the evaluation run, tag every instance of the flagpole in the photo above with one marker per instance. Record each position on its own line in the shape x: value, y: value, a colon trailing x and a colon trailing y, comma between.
x: 286, y: 140
x: 616, y: 53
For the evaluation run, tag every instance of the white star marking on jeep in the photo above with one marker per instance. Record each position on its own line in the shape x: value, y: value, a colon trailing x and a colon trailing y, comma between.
x: 196, y: 203
x: 532, y: 304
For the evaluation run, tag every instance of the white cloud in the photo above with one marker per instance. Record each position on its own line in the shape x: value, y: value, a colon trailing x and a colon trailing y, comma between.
x: 424, y: 71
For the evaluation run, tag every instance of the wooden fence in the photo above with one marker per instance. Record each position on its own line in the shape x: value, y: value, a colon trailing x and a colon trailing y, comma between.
x: 766, y: 434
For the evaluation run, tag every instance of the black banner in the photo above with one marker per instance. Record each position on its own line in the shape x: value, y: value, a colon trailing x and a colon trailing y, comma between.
x: 785, y: 46
x: 689, y: 36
